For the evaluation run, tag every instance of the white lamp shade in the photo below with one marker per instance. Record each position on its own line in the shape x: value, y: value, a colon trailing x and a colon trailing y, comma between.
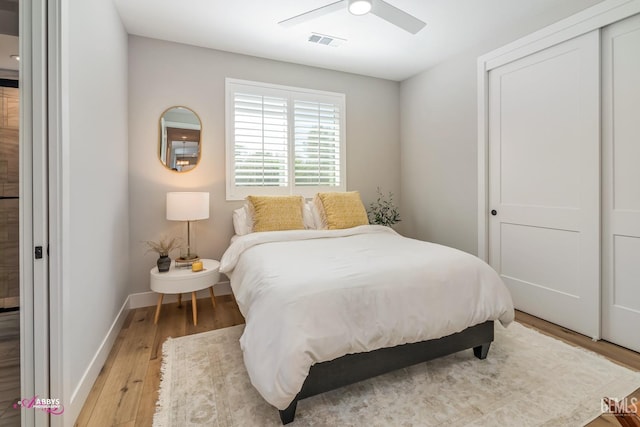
x: 187, y: 206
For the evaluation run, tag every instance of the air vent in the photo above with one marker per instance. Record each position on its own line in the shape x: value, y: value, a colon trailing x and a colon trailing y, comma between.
x: 326, y: 40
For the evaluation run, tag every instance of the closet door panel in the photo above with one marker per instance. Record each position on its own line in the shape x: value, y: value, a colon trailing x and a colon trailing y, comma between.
x: 544, y: 158
x: 539, y: 112
x: 621, y: 182
x: 626, y: 269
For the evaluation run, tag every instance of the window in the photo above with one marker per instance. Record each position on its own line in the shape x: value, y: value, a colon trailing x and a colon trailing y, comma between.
x: 283, y: 140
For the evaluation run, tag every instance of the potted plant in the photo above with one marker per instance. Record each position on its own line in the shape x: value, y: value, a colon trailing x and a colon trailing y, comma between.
x: 162, y: 247
x: 383, y: 211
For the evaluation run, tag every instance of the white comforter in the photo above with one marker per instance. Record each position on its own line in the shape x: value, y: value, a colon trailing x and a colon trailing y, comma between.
x: 311, y: 296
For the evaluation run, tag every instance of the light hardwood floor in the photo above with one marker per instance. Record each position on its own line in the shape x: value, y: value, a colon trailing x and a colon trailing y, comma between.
x: 126, y: 390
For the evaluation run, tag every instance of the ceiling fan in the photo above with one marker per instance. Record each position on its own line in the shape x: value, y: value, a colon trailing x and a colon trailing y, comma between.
x: 379, y: 8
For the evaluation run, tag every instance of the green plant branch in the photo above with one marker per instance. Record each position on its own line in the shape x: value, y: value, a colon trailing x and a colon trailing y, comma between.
x: 383, y: 211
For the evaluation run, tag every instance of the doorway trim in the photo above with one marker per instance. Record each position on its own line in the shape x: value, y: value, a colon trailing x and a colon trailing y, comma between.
x: 34, y: 218
x: 59, y: 382
x: 26, y: 235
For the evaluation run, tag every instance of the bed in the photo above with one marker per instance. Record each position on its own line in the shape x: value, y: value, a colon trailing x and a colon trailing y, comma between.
x: 326, y: 308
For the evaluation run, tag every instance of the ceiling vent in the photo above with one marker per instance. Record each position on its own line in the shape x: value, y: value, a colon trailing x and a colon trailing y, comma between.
x: 326, y: 40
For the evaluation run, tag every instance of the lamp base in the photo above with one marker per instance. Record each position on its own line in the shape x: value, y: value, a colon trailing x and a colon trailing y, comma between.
x: 184, y: 262
x: 189, y: 258
x: 189, y: 252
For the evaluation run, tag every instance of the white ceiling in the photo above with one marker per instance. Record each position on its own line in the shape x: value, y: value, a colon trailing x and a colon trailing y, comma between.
x: 374, y: 47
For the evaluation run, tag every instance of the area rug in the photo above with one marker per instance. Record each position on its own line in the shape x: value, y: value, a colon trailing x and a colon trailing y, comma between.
x: 529, y: 379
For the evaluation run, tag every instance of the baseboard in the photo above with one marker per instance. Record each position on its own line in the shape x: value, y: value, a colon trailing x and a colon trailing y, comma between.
x: 147, y: 299
x: 81, y: 392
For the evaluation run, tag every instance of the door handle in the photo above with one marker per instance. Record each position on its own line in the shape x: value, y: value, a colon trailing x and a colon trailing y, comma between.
x: 494, y: 212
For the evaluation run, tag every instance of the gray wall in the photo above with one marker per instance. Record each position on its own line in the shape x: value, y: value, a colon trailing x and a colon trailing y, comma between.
x: 439, y: 140
x: 95, y: 223
x: 164, y: 74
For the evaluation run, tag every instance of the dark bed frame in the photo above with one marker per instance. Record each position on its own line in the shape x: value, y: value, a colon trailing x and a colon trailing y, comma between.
x: 356, y: 367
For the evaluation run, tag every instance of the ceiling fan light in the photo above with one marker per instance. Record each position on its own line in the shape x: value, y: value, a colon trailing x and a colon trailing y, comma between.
x: 359, y: 7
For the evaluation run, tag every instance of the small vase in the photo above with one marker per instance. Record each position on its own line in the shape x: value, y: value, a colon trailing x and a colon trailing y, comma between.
x: 164, y: 262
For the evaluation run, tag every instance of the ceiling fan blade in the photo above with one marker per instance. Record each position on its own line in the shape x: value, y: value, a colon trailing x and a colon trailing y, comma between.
x: 397, y: 17
x: 298, y: 19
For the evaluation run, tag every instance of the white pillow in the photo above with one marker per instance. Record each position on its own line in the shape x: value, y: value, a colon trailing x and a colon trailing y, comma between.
x: 307, y: 216
x: 242, y: 221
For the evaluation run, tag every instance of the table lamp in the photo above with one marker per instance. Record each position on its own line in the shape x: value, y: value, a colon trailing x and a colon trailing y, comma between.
x: 188, y: 206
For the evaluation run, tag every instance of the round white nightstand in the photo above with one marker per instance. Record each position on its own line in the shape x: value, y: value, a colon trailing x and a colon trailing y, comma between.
x: 183, y: 280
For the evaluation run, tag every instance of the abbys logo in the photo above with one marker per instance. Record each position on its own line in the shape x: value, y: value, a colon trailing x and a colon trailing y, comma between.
x: 627, y: 407
x: 50, y: 406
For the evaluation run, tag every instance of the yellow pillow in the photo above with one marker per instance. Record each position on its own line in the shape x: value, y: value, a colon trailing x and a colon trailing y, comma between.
x: 275, y: 213
x: 342, y: 210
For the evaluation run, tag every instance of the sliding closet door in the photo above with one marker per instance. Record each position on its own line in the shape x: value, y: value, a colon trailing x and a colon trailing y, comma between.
x: 621, y: 182
x: 544, y: 163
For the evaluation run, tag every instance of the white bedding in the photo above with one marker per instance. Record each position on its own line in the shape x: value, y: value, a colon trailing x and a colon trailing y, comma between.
x: 311, y: 296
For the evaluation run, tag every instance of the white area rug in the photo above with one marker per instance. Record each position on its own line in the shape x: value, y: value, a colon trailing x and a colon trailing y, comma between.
x: 528, y: 379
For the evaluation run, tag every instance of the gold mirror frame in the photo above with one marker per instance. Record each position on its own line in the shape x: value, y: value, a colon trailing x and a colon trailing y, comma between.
x: 179, y: 144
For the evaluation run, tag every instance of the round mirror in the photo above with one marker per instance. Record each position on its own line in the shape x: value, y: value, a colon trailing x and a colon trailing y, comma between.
x: 180, y: 131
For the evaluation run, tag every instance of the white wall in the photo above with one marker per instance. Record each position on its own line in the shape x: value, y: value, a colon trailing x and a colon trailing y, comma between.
x: 164, y: 74
x: 95, y: 225
x: 439, y: 140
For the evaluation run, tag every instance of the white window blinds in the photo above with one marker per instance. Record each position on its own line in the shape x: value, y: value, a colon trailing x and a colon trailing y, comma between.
x: 317, y: 143
x: 283, y: 140
x: 260, y: 141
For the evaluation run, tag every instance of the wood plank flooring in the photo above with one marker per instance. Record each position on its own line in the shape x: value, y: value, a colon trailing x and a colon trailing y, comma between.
x: 126, y: 390
x: 9, y: 368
